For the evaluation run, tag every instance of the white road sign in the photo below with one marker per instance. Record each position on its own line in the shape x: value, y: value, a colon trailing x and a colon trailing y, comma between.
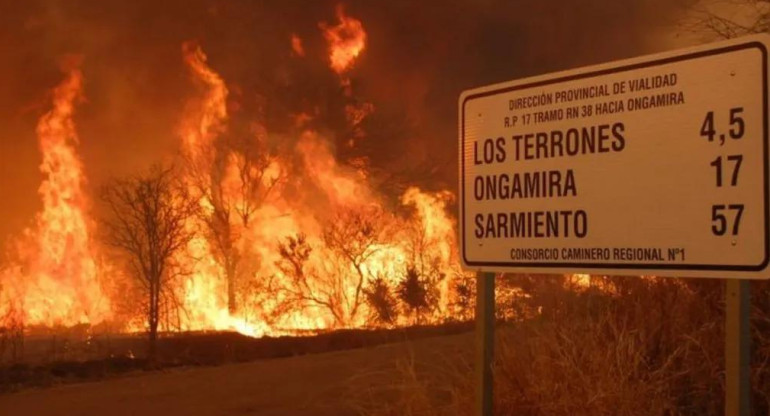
x: 654, y: 165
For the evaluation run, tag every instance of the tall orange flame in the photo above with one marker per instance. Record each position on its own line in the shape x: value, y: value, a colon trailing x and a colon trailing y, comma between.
x: 57, y: 280
x: 203, y: 122
x: 206, y: 116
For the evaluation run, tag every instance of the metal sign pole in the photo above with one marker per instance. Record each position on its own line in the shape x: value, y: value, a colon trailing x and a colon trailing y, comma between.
x: 485, y: 340
x: 737, y: 348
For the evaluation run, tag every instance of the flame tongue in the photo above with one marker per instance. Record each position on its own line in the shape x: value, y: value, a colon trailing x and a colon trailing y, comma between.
x: 205, y: 117
x: 60, y: 285
x: 346, y: 40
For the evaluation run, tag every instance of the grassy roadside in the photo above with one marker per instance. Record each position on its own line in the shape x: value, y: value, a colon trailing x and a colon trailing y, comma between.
x: 656, y: 348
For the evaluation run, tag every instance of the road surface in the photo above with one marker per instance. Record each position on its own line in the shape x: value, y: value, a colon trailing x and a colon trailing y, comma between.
x: 331, y: 384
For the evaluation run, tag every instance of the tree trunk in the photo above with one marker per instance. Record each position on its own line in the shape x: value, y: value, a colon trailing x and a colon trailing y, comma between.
x: 232, y: 305
x: 153, y: 321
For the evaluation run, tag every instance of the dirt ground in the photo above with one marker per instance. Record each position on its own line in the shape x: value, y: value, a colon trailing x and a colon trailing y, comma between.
x: 331, y: 384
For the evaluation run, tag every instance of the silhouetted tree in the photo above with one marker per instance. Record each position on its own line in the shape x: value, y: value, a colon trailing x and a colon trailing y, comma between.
x: 384, y: 306
x: 338, y: 280
x: 411, y: 290
x: 354, y: 235
x: 147, y: 221
x: 305, y: 288
x: 464, y: 300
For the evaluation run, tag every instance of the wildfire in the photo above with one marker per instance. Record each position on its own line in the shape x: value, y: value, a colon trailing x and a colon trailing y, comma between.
x: 346, y: 40
x: 287, y: 240
x: 55, y: 282
x: 205, y: 117
x: 298, y: 262
x: 207, y: 293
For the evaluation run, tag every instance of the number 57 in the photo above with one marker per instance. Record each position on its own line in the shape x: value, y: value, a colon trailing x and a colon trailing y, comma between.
x: 719, y: 220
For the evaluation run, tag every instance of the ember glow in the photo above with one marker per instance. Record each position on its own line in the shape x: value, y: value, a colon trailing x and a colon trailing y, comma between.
x: 289, y: 238
x: 296, y: 45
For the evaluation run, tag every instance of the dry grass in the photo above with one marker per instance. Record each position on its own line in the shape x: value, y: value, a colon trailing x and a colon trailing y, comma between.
x: 639, y: 347
x: 432, y: 386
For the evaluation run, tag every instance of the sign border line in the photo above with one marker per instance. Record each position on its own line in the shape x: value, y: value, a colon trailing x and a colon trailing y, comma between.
x: 592, y: 74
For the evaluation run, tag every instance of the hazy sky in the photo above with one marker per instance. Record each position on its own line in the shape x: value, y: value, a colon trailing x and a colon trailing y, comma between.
x: 419, y: 56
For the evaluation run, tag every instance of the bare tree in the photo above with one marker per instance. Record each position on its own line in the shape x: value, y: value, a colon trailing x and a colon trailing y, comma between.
x: 336, y: 283
x: 730, y: 19
x: 306, y: 287
x: 148, y: 221
x: 232, y: 177
x: 354, y: 235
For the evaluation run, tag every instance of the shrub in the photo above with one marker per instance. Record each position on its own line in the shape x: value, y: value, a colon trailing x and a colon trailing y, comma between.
x: 384, y: 309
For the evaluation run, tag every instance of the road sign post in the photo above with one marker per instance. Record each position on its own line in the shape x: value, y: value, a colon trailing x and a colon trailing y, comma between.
x: 737, y: 348
x: 485, y: 342
x: 657, y: 165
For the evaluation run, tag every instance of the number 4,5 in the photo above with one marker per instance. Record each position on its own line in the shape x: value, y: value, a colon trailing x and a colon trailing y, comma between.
x: 737, y: 126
